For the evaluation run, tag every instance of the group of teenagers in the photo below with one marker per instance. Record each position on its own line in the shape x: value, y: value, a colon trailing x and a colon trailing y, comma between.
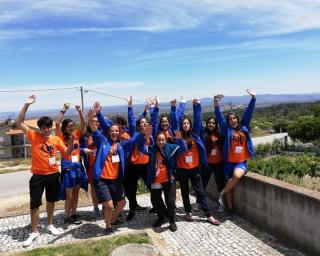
x: 111, y: 155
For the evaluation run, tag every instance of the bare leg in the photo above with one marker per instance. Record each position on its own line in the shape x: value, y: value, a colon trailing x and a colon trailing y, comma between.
x: 108, y: 207
x: 94, y: 196
x: 237, y: 175
x: 229, y: 199
x: 75, y: 196
x: 68, y: 202
x: 34, y: 219
x: 120, y: 205
x: 50, y: 211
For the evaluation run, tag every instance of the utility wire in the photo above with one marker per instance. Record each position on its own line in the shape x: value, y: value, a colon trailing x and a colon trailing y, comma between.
x: 109, y: 95
x: 39, y: 90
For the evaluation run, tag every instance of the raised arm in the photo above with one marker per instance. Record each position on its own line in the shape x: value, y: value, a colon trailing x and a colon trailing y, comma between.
x: 20, y: 120
x: 154, y: 117
x: 220, y: 118
x: 82, y: 119
x: 182, y: 107
x: 131, y: 118
x: 247, y: 116
x: 58, y: 120
x: 197, y: 124
x: 104, y: 123
x: 173, y: 115
x: 96, y: 134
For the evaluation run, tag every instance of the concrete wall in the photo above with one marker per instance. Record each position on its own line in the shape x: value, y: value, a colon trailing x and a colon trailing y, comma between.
x: 290, y: 213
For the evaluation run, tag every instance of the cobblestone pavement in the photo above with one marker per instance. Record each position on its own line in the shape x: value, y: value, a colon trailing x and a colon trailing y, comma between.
x: 233, y: 237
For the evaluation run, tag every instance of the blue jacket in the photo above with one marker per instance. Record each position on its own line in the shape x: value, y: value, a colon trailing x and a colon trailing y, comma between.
x: 227, y: 130
x: 170, y: 151
x: 177, y: 116
x: 155, y: 123
x: 103, y: 148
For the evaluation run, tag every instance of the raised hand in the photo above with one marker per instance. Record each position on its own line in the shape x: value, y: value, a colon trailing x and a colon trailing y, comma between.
x: 173, y: 102
x: 251, y: 92
x: 96, y: 107
x: 157, y: 99
x: 196, y: 101
x: 77, y: 107
x: 148, y: 131
x: 149, y: 102
x: 130, y: 100
x: 182, y: 99
x: 91, y: 114
x: 66, y: 106
x: 218, y: 97
x: 177, y: 134
x: 31, y: 99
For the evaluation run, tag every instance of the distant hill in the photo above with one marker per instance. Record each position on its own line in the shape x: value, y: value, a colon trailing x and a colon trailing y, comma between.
x: 262, y: 100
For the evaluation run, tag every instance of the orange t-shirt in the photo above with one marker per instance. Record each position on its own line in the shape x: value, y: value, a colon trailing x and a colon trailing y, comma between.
x: 44, y: 152
x: 190, y: 158
x: 215, y: 156
x: 111, y: 165
x: 161, y: 169
x: 138, y: 157
x: 238, y: 151
x: 75, y: 154
x: 169, y: 137
x: 91, y: 158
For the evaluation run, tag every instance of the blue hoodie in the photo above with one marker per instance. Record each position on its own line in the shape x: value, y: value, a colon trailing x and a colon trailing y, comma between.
x: 227, y: 130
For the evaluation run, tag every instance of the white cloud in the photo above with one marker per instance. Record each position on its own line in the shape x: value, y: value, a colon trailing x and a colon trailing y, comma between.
x: 240, y: 18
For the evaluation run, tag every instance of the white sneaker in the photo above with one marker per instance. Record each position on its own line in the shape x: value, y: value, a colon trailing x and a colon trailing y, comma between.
x: 54, y: 231
x: 221, y: 200
x: 32, y: 237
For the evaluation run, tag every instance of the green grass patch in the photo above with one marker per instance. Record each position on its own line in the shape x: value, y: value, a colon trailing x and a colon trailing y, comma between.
x: 99, y: 247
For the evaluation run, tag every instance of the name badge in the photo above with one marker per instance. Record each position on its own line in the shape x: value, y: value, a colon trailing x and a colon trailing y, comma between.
x: 115, y: 159
x: 74, y: 159
x: 157, y: 172
x: 238, y: 150
x: 156, y: 186
x: 52, y: 160
x: 188, y: 159
x: 214, y: 152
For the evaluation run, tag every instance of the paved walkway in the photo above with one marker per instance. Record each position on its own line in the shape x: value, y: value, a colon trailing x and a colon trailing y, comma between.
x: 233, y: 237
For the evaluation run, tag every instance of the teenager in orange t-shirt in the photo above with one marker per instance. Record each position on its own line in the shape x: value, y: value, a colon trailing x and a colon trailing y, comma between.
x: 237, y: 147
x: 188, y: 164
x: 73, y: 174
x: 44, y: 168
x: 160, y: 175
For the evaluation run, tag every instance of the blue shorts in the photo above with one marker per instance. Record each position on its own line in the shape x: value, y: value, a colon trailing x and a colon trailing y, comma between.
x: 107, y: 190
x: 229, y: 168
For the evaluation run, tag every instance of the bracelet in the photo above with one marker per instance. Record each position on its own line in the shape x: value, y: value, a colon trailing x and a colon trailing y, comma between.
x: 63, y: 111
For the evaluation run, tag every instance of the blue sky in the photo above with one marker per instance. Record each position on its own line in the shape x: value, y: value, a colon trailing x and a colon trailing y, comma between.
x: 195, y: 48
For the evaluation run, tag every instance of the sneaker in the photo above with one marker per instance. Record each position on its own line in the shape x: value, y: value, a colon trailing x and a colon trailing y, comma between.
x: 173, y: 226
x: 32, y: 237
x: 117, y: 222
x: 188, y: 216
x: 130, y: 216
x: 96, y: 213
x: 152, y: 210
x: 158, y: 222
x: 66, y: 222
x: 54, y: 231
x: 221, y: 202
x: 109, y: 231
x: 140, y: 208
x: 75, y: 219
x: 220, y: 208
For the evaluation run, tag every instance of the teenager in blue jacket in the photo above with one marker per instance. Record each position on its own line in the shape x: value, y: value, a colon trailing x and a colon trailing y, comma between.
x: 188, y: 168
x: 213, y: 142
x: 162, y: 157
x: 237, y: 146
x: 108, y: 170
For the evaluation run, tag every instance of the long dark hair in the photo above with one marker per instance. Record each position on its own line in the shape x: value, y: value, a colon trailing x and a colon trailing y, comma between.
x: 64, y: 125
x: 138, y: 123
x: 187, y: 135
x: 208, y: 142
x: 238, y: 128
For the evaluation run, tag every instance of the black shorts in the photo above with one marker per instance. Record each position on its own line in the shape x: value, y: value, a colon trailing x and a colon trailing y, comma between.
x: 38, y: 183
x: 107, y: 190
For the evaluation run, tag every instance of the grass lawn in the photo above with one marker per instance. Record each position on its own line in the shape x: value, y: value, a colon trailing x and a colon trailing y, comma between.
x: 14, y: 165
x: 86, y: 248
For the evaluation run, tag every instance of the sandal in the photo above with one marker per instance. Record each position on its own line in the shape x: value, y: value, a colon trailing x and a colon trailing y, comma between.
x: 188, y: 216
x: 213, y: 221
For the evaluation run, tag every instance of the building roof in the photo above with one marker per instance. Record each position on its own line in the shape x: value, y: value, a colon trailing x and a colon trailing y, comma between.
x: 32, y: 123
